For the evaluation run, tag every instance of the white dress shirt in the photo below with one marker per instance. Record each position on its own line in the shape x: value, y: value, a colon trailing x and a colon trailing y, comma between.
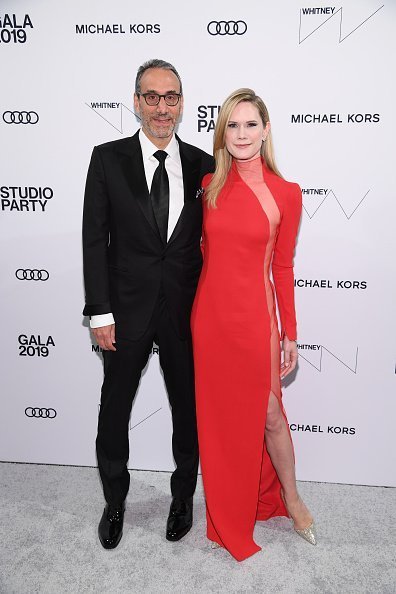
x: 176, y: 194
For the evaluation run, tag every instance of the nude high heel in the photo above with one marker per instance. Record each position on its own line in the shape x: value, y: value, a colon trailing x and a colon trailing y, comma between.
x: 309, y: 533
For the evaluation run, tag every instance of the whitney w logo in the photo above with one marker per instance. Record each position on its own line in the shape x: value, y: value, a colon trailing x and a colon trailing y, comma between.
x: 331, y: 10
x: 114, y: 113
x: 315, y: 358
x: 311, y: 209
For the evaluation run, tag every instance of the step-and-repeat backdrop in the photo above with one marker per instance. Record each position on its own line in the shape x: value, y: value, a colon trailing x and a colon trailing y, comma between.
x: 325, y: 72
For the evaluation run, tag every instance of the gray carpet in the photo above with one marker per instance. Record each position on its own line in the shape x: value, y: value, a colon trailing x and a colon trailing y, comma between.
x: 49, y: 517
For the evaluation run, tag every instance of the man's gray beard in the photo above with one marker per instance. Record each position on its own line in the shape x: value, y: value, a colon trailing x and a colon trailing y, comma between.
x: 161, y: 133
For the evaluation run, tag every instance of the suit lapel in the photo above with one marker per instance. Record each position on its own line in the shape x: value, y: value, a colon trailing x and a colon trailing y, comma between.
x: 133, y: 168
x: 190, y: 171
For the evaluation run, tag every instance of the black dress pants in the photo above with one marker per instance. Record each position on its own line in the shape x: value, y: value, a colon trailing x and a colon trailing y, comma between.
x: 122, y: 372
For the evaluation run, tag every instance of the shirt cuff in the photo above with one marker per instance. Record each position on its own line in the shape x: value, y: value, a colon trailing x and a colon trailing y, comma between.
x: 101, y: 320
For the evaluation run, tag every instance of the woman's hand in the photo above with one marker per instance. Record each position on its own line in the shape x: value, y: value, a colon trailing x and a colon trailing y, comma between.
x: 290, y: 356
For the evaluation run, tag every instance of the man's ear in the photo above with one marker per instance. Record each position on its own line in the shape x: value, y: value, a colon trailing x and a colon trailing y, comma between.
x: 136, y: 103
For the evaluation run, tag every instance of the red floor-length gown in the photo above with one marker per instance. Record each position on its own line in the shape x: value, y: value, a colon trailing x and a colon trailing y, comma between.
x: 237, y: 346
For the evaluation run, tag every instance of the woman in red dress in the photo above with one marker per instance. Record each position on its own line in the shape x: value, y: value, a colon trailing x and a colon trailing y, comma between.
x: 251, y: 219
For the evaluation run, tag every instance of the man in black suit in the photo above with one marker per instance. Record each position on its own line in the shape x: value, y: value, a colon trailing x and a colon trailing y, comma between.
x: 142, y: 259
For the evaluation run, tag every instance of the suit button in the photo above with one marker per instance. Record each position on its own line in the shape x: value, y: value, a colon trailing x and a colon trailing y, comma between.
x: 163, y: 258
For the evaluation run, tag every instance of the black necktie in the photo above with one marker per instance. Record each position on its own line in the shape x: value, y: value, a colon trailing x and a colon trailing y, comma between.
x: 159, y: 195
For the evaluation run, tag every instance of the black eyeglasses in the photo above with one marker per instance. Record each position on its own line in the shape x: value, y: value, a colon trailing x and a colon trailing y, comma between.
x: 171, y: 99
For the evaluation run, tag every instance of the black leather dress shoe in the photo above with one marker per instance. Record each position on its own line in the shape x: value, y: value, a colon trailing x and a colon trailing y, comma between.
x: 179, y: 519
x: 110, y: 526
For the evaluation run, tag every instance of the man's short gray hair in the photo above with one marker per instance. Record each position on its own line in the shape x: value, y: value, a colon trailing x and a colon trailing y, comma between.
x: 155, y: 63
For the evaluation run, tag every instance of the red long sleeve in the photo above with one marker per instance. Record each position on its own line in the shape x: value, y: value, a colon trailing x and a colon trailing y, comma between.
x: 282, y: 264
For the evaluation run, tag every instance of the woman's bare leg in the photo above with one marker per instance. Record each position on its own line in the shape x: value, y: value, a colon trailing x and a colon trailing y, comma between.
x: 280, y: 450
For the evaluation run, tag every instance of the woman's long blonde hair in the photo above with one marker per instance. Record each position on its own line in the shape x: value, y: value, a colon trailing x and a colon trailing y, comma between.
x: 222, y: 156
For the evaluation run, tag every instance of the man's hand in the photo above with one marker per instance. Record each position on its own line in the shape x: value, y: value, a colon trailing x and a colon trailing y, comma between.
x: 290, y: 356
x: 105, y: 337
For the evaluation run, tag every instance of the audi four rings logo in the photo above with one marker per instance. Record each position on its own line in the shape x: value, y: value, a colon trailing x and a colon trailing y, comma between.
x: 34, y: 274
x: 40, y: 413
x: 227, y: 27
x: 20, y: 117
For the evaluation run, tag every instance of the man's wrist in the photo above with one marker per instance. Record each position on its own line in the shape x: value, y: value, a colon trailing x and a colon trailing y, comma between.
x: 101, y: 320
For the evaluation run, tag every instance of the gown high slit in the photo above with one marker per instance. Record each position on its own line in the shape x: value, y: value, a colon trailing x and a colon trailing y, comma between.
x: 237, y: 346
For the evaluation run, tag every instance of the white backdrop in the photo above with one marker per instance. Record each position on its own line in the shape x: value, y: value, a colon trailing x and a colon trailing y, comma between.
x: 324, y: 71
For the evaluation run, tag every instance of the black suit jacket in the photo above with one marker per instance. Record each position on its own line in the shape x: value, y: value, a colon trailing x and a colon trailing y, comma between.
x: 125, y: 260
